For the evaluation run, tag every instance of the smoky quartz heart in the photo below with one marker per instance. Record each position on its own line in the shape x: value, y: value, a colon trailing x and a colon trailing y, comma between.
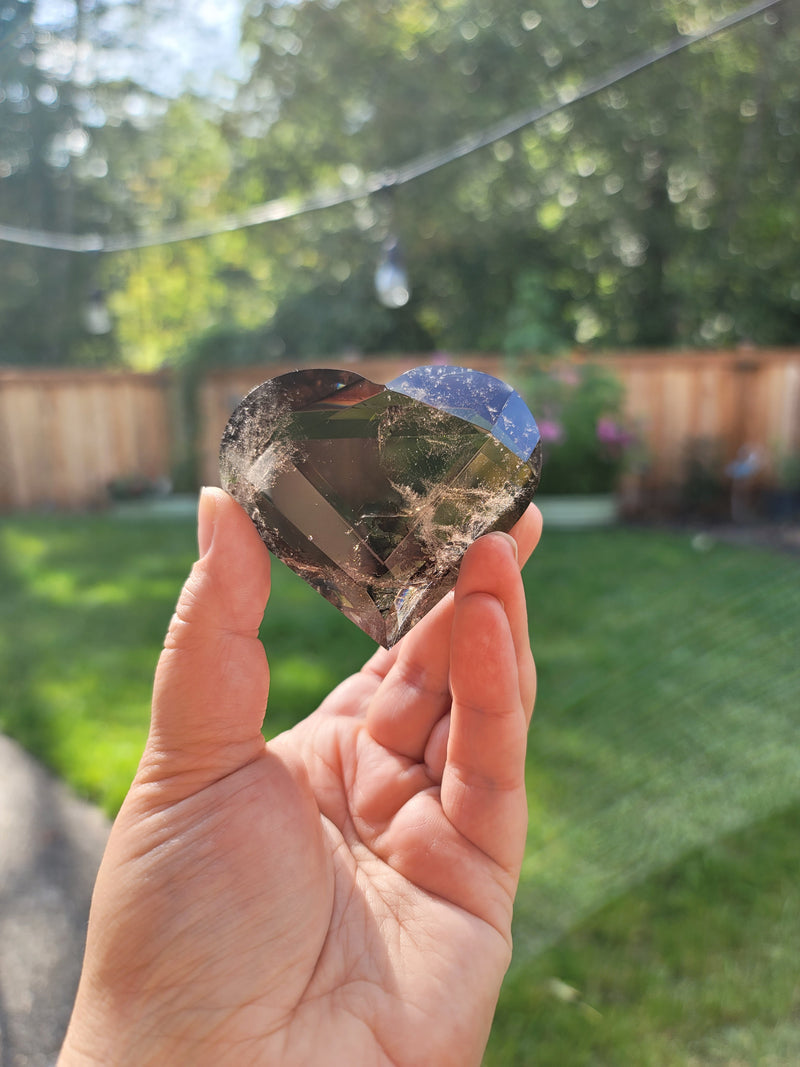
x: 372, y: 493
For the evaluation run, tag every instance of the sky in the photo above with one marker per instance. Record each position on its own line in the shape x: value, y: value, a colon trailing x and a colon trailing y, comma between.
x: 183, y: 45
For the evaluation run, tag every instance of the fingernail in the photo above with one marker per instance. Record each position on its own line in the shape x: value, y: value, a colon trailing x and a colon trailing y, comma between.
x: 206, y: 516
x: 513, y: 543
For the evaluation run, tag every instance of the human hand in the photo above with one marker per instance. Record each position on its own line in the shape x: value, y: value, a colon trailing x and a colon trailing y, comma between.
x: 342, y: 894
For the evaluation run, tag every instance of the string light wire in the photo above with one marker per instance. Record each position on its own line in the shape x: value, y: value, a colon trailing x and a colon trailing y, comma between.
x: 374, y: 182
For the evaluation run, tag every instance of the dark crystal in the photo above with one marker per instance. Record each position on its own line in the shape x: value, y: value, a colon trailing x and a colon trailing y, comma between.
x: 373, y: 493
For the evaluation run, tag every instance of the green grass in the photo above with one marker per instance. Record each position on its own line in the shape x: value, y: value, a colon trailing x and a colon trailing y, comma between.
x: 658, y: 914
x: 84, y: 609
x: 696, y: 965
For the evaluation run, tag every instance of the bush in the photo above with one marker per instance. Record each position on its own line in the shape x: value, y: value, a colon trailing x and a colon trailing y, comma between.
x: 584, y: 440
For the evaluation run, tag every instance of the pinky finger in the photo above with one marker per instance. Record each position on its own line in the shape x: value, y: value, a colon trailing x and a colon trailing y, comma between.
x: 483, y: 785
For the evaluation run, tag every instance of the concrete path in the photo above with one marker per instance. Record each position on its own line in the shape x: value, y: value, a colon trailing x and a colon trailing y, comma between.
x: 50, y: 849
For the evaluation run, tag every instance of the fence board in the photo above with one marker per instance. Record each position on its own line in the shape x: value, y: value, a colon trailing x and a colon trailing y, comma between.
x: 221, y: 391
x: 732, y: 399
x: 64, y: 435
x: 728, y: 399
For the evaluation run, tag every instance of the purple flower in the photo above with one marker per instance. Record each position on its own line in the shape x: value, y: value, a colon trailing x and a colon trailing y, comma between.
x: 568, y: 374
x: 613, y: 435
x: 551, y: 430
x: 607, y: 431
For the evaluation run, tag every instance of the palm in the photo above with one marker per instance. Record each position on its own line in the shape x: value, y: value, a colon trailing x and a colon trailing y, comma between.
x: 349, y: 886
x: 386, y: 972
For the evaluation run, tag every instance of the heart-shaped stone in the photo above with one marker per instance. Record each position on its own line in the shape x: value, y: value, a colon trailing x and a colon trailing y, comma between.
x: 372, y: 493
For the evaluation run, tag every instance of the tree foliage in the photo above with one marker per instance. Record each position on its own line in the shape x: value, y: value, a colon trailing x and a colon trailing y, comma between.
x: 661, y: 211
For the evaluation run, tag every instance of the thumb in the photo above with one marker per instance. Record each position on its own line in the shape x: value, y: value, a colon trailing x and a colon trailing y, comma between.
x: 212, y: 679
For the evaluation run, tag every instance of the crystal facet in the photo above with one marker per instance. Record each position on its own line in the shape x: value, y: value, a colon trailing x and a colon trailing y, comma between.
x: 373, y: 493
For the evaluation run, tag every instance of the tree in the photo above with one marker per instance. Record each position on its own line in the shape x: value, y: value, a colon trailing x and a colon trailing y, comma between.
x: 81, y: 153
x: 53, y: 167
x: 661, y: 211
x: 631, y: 203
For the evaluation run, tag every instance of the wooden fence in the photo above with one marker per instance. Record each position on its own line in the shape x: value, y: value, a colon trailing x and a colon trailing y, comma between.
x: 64, y: 435
x: 222, y: 390
x: 742, y: 399
x: 735, y: 399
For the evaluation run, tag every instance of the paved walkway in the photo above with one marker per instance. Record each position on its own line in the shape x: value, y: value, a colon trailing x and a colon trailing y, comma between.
x: 50, y: 848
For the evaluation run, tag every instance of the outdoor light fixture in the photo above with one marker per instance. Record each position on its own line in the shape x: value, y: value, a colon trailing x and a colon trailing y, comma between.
x: 96, y: 316
x: 391, y: 280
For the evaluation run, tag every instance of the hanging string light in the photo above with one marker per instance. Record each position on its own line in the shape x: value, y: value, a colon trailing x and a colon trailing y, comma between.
x: 96, y: 316
x: 391, y: 278
x: 285, y: 208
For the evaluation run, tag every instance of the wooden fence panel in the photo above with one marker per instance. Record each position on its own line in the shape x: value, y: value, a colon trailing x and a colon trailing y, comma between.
x: 64, y: 435
x: 221, y: 391
x: 729, y: 400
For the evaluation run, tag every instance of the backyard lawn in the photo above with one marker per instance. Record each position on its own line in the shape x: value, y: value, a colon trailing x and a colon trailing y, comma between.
x: 659, y: 912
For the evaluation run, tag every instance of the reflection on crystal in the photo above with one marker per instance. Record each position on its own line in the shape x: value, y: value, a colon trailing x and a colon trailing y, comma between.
x: 373, y: 493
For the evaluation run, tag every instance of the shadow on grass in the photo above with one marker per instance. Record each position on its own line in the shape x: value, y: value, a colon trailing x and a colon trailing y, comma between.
x: 697, y: 966
x: 666, y: 720
x: 86, y: 602
x: 85, y: 606
x: 667, y: 712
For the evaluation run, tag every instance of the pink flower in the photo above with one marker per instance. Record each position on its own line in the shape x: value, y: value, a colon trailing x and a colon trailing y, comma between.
x: 611, y: 433
x: 568, y: 374
x: 607, y: 431
x: 550, y: 430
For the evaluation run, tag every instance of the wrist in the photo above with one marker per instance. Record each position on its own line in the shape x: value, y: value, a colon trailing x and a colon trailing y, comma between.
x: 98, y: 1036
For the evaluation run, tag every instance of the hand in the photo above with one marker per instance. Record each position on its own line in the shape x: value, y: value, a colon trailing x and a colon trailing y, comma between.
x: 342, y: 894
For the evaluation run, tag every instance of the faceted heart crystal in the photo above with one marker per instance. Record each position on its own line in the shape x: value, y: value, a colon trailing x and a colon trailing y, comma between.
x: 372, y: 493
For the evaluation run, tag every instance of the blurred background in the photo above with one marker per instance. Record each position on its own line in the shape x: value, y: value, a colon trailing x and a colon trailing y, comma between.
x: 596, y: 200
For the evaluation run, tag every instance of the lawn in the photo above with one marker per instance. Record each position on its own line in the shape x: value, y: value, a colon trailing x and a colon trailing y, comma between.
x: 659, y: 910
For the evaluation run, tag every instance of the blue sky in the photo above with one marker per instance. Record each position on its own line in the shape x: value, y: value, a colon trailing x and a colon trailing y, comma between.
x: 185, y: 44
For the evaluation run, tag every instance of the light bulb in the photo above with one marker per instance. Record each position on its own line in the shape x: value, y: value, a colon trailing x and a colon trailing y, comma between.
x: 391, y: 280
x: 96, y: 316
